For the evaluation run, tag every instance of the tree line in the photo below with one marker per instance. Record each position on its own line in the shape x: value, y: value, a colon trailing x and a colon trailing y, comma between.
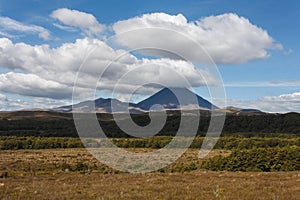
x: 227, y: 142
x: 250, y: 126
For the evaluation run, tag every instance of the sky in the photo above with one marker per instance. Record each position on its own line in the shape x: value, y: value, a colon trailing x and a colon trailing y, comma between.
x: 254, y: 46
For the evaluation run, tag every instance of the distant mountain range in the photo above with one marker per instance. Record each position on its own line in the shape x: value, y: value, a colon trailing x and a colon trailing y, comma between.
x: 100, y: 105
x: 165, y: 99
x: 59, y: 122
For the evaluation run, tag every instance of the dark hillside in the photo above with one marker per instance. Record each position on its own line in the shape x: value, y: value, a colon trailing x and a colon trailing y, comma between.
x: 49, y: 124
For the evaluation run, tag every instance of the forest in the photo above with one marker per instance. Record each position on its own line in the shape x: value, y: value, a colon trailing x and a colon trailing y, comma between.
x: 267, y: 125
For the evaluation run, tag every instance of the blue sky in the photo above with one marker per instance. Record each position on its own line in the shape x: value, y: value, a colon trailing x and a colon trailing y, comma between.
x: 248, y: 83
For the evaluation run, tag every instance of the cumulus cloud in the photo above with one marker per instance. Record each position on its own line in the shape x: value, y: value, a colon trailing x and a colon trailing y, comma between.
x: 43, y: 72
x: 295, y: 97
x: 51, y: 72
x: 171, y: 73
x: 276, y: 104
x: 33, y: 85
x: 74, y: 18
x: 9, y: 27
x: 16, y: 102
x: 228, y: 38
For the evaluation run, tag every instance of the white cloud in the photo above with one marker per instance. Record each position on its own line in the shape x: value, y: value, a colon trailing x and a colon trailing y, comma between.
x: 65, y: 28
x: 228, y: 38
x: 9, y: 27
x: 295, y: 97
x: 7, y: 35
x: 44, y: 35
x: 272, y: 83
x: 17, y: 102
x: 33, y: 85
x: 276, y: 104
x: 2, y: 97
x: 85, y: 21
x: 167, y: 72
x: 51, y: 72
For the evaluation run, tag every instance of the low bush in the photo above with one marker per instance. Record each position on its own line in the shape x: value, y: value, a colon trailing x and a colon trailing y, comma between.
x: 257, y: 159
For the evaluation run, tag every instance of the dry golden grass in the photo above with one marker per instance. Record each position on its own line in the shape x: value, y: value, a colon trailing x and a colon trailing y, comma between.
x: 38, y: 174
x: 51, y: 161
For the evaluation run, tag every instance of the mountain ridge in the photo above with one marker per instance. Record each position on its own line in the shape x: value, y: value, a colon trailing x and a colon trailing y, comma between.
x: 165, y: 97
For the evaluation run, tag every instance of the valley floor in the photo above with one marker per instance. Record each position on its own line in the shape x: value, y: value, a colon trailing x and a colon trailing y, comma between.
x: 192, y: 185
x: 75, y: 174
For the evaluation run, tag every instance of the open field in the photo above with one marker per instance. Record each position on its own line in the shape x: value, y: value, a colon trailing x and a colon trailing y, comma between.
x: 193, y: 185
x: 74, y: 173
x: 49, y: 161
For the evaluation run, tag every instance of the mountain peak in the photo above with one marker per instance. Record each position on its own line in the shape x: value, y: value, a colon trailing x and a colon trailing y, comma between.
x: 166, y: 97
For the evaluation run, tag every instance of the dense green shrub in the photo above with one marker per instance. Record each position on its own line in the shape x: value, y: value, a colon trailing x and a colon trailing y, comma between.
x: 230, y: 143
x: 13, y: 142
x: 257, y: 159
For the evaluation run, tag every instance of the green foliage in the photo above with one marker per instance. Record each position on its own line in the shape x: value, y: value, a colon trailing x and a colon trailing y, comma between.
x: 229, y: 143
x: 183, y: 168
x: 268, y: 125
x: 13, y: 142
x: 249, y: 154
x: 255, y: 142
x: 80, y: 166
x: 257, y: 159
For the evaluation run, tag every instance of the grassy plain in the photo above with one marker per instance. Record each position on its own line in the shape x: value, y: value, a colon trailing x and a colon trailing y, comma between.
x: 75, y: 174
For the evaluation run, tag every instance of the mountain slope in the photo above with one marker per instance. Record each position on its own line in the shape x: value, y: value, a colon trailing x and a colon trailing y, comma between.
x: 165, y: 98
x: 101, y: 105
x: 168, y: 100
